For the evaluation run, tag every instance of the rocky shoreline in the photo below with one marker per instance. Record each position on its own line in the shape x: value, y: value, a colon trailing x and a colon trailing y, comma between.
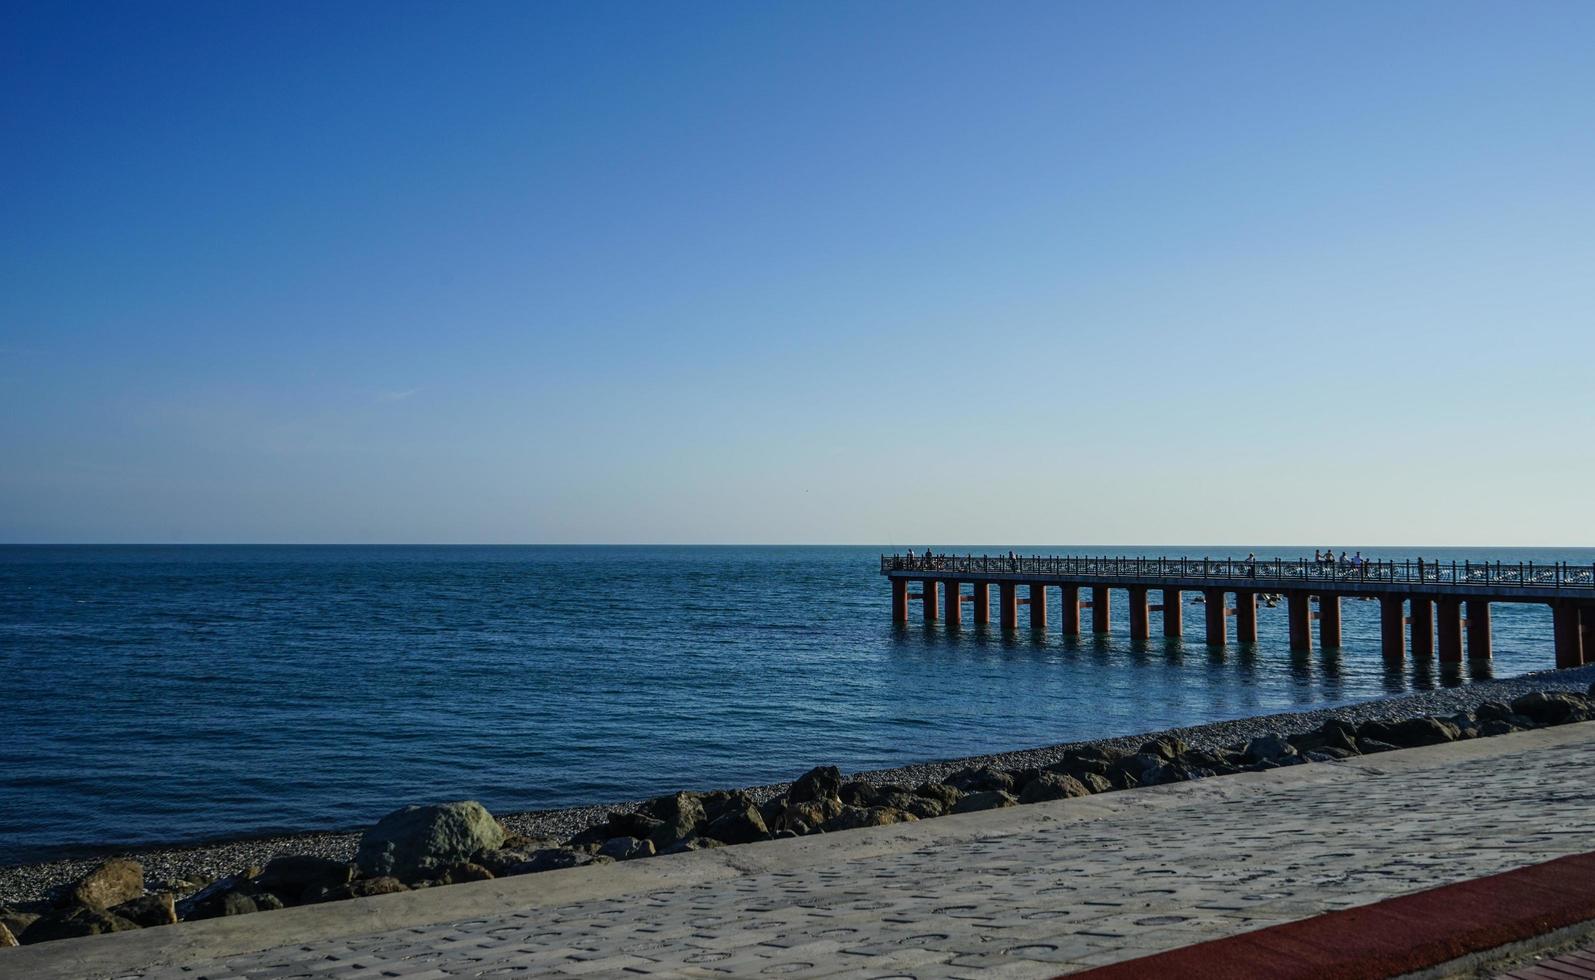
x: 427, y: 846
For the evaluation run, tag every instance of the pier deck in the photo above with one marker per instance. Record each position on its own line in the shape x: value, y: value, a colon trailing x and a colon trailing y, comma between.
x: 1445, y: 604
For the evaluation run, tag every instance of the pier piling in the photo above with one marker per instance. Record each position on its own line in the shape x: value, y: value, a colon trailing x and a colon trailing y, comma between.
x: 1101, y: 612
x: 1140, y: 624
x: 953, y: 607
x: 1213, y: 609
x: 1328, y: 621
x: 1299, y: 613
x: 1071, y: 610
x: 899, y: 600
x: 1422, y: 626
x: 1173, y: 614
x: 1038, y: 606
x: 1479, y: 629
x: 1008, y: 605
x: 982, y: 603
x: 1392, y: 628
x: 930, y: 591
x: 1245, y: 617
x: 1448, y: 620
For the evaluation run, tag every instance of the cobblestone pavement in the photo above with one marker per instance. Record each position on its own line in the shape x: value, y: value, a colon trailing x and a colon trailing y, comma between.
x: 1042, y: 897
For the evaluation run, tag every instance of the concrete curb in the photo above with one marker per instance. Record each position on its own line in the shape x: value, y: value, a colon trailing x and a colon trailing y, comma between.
x: 213, y: 939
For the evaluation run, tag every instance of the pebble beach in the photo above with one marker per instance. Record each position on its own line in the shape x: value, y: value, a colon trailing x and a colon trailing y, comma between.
x: 204, y: 861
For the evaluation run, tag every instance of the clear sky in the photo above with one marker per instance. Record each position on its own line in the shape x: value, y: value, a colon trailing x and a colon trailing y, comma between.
x: 907, y: 273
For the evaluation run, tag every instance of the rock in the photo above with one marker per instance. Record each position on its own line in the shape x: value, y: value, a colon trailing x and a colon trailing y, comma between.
x: 359, y: 888
x: 692, y: 844
x: 922, y: 807
x: 819, y: 783
x: 1411, y: 733
x: 592, y: 838
x: 785, y: 835
x: 1268, y: 748
x: 946, y: 795
x: 268, y: 902
x: 112, y: 883
x: 1120, y: 779
x: 409, y: 842
x: 292, y: 874
x: 465, y: 871
x: 149, y: 910
x: 1552, y: 707
x: 721, y: 802
x: 984, y: 800
x: 1494, y: 727
x: 1368, y: 746
x: 1493, y: 711
x: 813, y: 813
x: 6, y: 938
x: 1052, y: 786
x: 626, y: 848
x: 72, y: 923
x: 859, y: 794
x: 205, y: 903
x: 739, y: 826
x: 980, y: 780
x: 1166, y: 747
x: 1146, y: 769
x: 622, y: 824
x: 855, y: 818
x: 679, y: 815
x: 222, y: 904
x: 552, y: 859
x: 18, y: 921
x: 500, y: 860
x: 1338, y: 734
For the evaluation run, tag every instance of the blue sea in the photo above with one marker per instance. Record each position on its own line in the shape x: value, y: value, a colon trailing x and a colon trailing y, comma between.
x: 164, y: 694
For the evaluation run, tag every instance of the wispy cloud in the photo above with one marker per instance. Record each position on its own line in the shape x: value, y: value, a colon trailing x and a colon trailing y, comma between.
x: 397, y: 396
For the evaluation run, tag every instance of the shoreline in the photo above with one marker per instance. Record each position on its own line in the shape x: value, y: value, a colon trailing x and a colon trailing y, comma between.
x: 189, y: 862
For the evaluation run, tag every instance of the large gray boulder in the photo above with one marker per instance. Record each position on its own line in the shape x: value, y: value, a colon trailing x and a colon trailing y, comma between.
x: 411, y: 842
x: 112, y: 883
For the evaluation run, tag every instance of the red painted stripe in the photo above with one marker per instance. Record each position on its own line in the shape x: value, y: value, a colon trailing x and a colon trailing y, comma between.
x: 1395, y: 936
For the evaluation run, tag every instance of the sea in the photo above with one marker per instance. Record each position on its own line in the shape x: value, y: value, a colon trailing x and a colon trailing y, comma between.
x: 165, y: 694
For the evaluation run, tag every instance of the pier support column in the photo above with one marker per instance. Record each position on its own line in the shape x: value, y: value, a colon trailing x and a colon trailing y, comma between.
x: 1071, y: 610
x: 1392, y: 628
x: 1587, y: 628
x: 982, y: 603
x: 1300, y: 614
x: 1478, y: 629
x: 1038, y: 606
x: 1214, y: 608
x: 1568, y: 623
x: 1328, y: 621
x: 1422, y: 626
x: 1140, y: 622
x: 899, y: 600
x: 1101, y: 612
x: 953, y: 606
x: 1245, y: 617
x: 1449, y: 620
x: 931, y: 590
x: 1173, y: 613
x: 1008, y: 605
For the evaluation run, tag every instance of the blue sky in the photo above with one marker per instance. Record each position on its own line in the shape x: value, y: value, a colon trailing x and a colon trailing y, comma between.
x: 908, y: 273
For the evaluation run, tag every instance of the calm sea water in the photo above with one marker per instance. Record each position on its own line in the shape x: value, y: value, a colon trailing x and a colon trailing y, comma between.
x: 157, y: 694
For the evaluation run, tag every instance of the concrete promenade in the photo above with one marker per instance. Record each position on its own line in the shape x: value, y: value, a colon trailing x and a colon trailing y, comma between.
x: 1030, y: 891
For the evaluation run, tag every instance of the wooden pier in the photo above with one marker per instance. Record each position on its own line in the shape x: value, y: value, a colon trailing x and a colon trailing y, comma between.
x: 1444, y: 606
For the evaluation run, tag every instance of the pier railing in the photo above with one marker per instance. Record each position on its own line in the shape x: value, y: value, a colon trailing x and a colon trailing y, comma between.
x: 1417, y: 571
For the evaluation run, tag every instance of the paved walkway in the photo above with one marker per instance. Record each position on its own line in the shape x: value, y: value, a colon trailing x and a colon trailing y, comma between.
x: 1030, y: 891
